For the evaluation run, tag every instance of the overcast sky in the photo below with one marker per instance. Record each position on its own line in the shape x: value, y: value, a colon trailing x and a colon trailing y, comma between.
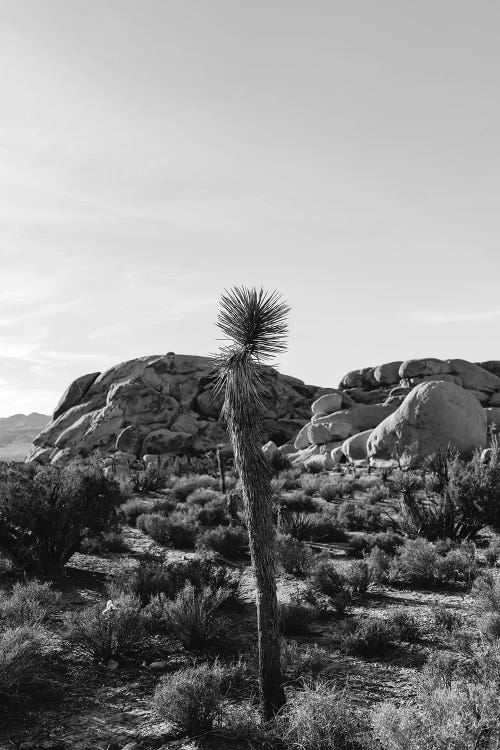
x: 154, y: 152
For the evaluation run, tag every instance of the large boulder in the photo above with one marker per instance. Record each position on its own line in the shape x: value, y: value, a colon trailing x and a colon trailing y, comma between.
x: 434, y: 416
x: 355, y: 448
x: 387, y: 374
x: 159, y: 405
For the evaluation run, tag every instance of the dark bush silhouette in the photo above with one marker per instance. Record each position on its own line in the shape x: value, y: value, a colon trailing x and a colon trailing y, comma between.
x: 46, y: 512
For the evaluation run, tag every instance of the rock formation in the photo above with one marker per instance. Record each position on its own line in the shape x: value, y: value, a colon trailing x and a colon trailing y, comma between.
x: 159, y: 405
x: 407, y: 409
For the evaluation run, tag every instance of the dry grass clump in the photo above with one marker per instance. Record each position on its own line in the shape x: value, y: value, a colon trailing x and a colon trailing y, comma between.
x: 295, y: 617
x: 29, y: 656
x: 320, y: 717
x: 192, y: 699
x: 457, y: 706
x: 371, y: 637
x: 29, y: 603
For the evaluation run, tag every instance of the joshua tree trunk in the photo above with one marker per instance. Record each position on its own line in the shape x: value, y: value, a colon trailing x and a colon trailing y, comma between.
x: 255, y: 322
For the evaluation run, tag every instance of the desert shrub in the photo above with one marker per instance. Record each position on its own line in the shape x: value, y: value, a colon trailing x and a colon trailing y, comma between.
x: 295, y: 617
x: 319, y: 717
x: 295, y: 524
x: 419, y: 563
x: 203, y: 495
x: 371, y: 637
x: 178, y: 530
x: 153, y: 577
x: 228, y: 541
x: 304, y: 662
x: 289, y: 479
x: 379, y: 563
x: 191, y: 699
x: 446, y: 620
x: 214, y: 513
x: 325, y: 580
x: 492, y: 552
x: 455, y: 500
x: 29, y: 603
x: 29, y: 655
x: 164, y: 505
x: 358, y: 577
x: 334, y: 490
x: 489, y: 625
x: 185, y: 486
x: 405, y: 625
x: 451, y: 710
x: 297, y: 501
x: 106, y: 541
x: 355, y: 516
x: 194, y: 617
x: 324, y: 527
x: 134, y: 508
x: 154, y: 477
x: 486, y: 591
x: 310, y: 484
x: 361, y: 544
x: 107, y: 631
x: 45, y: 512
x: 293, y: 556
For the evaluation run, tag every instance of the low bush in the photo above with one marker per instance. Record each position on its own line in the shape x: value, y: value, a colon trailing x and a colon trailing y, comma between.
x: 457, y: 705
x: 106, y: 541
x: 320, y: 717
x: 134, y: 508
x: 379, y: 563
x: 419, y: 563
x: 489, y: 625
x: 492, y: 552
x: 295, y: 617
x: 194, y: 617
x: 325, y: 580
x: 29, y: 655
x: 178, y: 530
x: 324, y: 527
x: 203, y: 495
x: 371, y: 637
x: 107, y: 631
x: 298, y: 502
x: 293, y: 556
x: 45, y: 512
x: 214, y: 513
x: 154, y: 477
x: 335, y: 488
x: 356, y: 516
x: 185, y: 486
x: 28, y: 604
x: 447, y: 620
x: 153, y: 577
x: 405, y: 625
x: 191, y: 699
x: 486, y: 592
x: 358, y: 577
x: 228, y: 541
x: 304, y: 662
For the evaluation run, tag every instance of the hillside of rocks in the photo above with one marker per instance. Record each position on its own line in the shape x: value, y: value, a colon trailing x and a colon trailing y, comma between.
x: 401, y: 411
x: 159, y: 405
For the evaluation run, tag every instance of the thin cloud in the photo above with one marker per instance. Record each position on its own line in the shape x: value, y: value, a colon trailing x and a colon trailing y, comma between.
x: 436, y: 317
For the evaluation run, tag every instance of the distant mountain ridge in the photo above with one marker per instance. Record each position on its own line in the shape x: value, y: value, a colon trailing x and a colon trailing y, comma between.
x: 17, y: 433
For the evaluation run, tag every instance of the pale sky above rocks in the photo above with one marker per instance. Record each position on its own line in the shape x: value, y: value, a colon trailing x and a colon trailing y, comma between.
x: 154, y: 152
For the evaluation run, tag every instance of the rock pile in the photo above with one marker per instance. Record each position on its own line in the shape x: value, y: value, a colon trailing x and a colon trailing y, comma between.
x: 158, y: 405
x: 401, y: 411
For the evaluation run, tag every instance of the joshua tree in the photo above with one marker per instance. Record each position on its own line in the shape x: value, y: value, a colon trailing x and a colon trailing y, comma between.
x: 255, y: 324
